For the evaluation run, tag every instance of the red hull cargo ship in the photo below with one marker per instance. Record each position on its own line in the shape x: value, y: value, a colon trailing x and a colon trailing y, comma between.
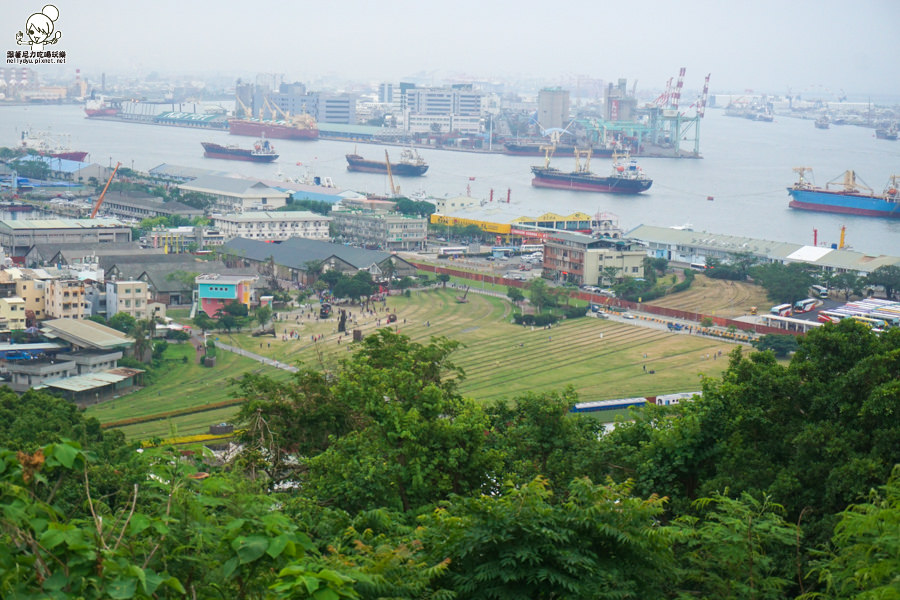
x: 299, y: 127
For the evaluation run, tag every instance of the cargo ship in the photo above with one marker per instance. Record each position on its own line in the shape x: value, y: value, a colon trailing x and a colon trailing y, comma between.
x: 262, y: 151
x: 626, y: 177
x: 410, y: 165
x: 45, y: 145
x: 850, y: 196
x: 299, y: 127
x: 98, y: 107
x: 537, y: 149
x: 887, y: 133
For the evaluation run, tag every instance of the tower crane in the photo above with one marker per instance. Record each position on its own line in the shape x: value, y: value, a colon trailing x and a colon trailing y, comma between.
x: 103, y: 193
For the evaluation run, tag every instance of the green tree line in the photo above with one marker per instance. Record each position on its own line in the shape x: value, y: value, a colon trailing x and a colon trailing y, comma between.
x: 376, y: 478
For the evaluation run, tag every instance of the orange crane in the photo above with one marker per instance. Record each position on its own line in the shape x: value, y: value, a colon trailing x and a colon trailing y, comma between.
x: 103, y: 193
x: 395, y: 191
x: 246, y: 113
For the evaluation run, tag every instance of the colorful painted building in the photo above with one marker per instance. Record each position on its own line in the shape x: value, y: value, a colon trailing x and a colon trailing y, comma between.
x: 214, y: 291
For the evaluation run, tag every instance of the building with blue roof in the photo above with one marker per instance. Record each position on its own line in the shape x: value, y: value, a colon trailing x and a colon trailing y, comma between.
x: 69, y: 170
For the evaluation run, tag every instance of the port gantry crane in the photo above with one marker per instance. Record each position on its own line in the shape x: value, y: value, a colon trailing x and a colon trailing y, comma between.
x: 103, y: 193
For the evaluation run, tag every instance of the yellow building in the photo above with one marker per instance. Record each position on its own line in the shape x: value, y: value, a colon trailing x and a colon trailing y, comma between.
x: 497, y: 219
x: 31, y: 291
x: 12, y: 314
x: 498, y: 228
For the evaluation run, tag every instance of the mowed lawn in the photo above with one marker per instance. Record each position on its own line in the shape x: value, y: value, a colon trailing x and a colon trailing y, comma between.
x: 184, y: 385
x: 600, y: 359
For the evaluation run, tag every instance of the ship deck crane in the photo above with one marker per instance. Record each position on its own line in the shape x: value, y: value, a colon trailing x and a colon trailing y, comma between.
x: 276, y: 109
x: 103, y: 193
x: 247, y: 113
x: 586, y: 167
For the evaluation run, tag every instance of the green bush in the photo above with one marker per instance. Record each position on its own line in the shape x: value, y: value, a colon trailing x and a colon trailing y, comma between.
x: 574, y: 312
x: 177, y: 335
x: 688, y: 280
x: 540, y: 320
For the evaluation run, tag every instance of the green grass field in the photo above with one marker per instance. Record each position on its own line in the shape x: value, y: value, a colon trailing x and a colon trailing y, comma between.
x: 184, y: 385
x: 600, y: 359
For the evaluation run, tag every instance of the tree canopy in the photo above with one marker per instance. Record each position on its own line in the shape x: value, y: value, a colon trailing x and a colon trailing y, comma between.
x: 784, y: 283
x: 376, y: 478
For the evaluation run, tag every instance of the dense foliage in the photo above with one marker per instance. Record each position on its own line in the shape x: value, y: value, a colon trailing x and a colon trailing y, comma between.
x: 784, y: 283
x: 316, y: 206
x: 417, y: 208
x: 375, y: 478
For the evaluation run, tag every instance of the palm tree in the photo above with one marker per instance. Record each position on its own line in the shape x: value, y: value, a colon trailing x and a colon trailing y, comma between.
x: 141, y: 331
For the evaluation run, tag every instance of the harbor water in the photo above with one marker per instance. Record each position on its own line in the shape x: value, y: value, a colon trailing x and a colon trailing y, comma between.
x: 738, y: 188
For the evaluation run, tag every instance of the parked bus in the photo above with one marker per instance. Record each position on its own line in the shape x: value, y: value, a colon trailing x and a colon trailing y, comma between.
x: 782, y: 310
x: 891, y: 320
x: 829, y: 316
x: 699, y: 266
x: 875, y: 324
x: 452, y: 251
x: 527, y: 248
x: 804, y: 306
x: 819, y: 291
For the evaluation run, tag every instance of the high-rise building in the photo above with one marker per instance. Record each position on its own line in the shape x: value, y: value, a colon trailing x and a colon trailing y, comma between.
x: 385, y: 93
x: 553, y: 108
x: 450, y: 108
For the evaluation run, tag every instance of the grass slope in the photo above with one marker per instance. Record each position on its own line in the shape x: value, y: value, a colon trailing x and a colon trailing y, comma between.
x: 600, y: 359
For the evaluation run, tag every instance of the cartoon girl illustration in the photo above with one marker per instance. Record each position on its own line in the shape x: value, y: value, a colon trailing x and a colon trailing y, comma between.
x: 39, y: 29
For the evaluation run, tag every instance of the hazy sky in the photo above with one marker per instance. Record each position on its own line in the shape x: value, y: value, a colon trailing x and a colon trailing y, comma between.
x: 808, y: 46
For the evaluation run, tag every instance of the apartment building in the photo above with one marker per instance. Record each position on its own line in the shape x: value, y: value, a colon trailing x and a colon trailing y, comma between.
x: 272, y: 227
x: 385, y: 231
x: 131, y: 297
x: 64, y: 299
x: 582, y: 259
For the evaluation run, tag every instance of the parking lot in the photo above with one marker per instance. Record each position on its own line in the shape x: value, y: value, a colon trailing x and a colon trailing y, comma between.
x: 520, y: 268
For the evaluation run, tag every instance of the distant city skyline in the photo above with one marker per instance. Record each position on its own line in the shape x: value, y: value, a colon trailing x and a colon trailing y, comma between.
x: 813, y: 48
